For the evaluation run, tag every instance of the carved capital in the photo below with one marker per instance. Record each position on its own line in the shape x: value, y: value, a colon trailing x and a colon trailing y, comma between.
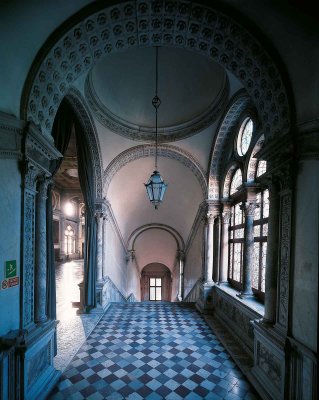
x: 130, y: 255
x: 226, y: 217
x: 31, y: 173
x: 249, y: 208
x: 42, y: 186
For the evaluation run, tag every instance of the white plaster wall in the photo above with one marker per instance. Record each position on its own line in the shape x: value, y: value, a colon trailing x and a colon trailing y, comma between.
x: 193, y: 261
x: 133, y: 280
x: 116, y: 259
x: 10, y: 226
x: 305, y: 278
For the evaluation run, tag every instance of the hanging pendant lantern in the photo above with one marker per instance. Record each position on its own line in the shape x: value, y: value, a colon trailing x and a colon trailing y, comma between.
x: 156, y: 187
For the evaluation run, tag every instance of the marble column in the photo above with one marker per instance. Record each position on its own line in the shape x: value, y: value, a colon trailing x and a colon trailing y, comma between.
x: 217, y: 239
x: 248, y: 258
x: 210, y: 248
x: 204, y: 251
x: 223, y: 265
x: 40, y: 275
x: 271, y: 274
x: 99, y: 255
x: 104, y: 266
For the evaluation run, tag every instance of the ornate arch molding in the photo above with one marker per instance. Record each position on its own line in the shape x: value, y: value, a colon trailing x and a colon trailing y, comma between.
x: 83, y: 114
x: 148, y: 150
x: 173, y: 232
x: 239, y: 104
x: 87, y: 37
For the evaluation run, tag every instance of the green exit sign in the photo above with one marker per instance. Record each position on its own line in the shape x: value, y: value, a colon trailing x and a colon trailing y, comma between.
x: 11, y: 269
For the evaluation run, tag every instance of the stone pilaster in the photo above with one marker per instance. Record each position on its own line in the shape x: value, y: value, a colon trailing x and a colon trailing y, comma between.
x: 104, y: 266
x: 99, y: 255
x: 212, y: 214
x: 41, y: 252
x: 223, y: 264
x: 30, y: 174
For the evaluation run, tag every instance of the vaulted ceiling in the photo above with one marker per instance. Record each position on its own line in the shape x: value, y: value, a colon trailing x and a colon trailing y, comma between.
x: 118, y: 91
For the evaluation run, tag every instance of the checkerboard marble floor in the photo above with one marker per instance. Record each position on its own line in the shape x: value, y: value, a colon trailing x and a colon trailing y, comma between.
x: 152, y: 351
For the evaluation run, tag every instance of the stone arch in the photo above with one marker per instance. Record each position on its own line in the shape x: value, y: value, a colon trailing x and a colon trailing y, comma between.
x: 143, y: 151
x: 173, y: 232
x: 84, y: 117
x: 230, y: 120
x: 98, y: 30
x: 251, y: 167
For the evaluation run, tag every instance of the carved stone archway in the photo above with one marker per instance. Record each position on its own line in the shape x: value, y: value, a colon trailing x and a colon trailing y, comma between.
x: 143, y: 151
x: 99, y: 30
x: 84, y: 117
x: 230, y: 120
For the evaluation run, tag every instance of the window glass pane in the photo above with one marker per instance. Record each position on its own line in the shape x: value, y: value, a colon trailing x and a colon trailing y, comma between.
x: 266, y: 204
x: 262, y: 167
x: 152, y: 293
x: 158, y: 293
x: 237, y: 261
x: 239, y: 233
x: 255, y: 271
x: 158, y: 281
x: 263, y: 266
x: 265, y: 230
x: 236, y: 181
x: 152, y: 281
x: 238, y: 215
x: 230, y: 274
x: 244, y: 137
x: 257, y: 214
x: 256, y: 230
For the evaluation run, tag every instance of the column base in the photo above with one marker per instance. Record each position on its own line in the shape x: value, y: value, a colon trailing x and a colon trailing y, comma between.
x: 205, y: 302
x: 245, y: 295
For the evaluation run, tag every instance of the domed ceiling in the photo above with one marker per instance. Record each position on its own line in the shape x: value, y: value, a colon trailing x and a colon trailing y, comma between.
x: 192, y: 89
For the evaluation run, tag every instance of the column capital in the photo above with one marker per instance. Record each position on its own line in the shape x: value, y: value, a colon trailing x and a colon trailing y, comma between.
x: 43, y: 183
x: 130, y: 255
x: 226, y: 216
x: 249, y: 207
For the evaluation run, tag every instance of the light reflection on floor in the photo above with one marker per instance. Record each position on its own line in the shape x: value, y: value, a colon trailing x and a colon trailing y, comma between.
x: 72, y: 329
x: 68, y: 275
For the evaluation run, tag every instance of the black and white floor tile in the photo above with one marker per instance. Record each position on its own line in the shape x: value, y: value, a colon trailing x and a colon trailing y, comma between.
x: 152, y: 351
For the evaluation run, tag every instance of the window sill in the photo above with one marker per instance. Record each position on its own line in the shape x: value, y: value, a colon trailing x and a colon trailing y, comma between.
x: 251, y: 303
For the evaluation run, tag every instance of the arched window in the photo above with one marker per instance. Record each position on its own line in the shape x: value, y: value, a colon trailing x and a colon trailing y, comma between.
x: 242, y: 190
x: 69, y: 240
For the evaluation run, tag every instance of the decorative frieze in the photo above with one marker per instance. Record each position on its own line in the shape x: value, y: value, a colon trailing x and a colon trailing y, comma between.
x: 11, y: 130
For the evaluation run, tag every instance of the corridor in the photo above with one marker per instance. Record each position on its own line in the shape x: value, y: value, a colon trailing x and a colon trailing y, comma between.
x: 152, y: 351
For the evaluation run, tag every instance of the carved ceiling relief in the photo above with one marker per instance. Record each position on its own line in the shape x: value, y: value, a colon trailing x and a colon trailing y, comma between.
x: 145, y: 23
